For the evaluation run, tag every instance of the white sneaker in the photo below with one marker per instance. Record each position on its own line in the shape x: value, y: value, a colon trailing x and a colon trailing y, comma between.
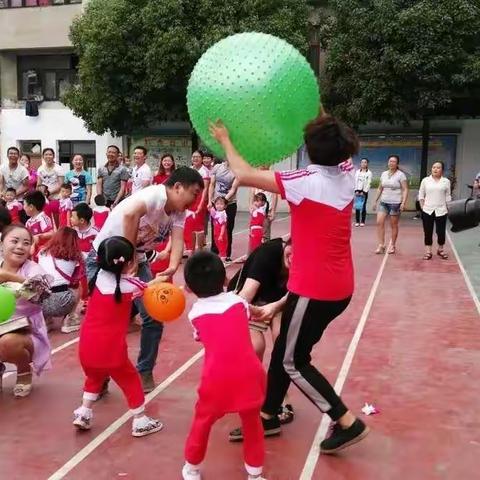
x: 191, y: 473
x: 141, y: 428
x: 71, y: 323
x: 250, y: 477
x: 81, y: 420
x: 362, y: 224
x: 357, y: 224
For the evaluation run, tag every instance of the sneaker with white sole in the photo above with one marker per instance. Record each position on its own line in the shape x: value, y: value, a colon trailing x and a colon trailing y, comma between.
x: 71, y: 323
x: 81, y: 420
x: 189, y: 472
x: 140, y: 429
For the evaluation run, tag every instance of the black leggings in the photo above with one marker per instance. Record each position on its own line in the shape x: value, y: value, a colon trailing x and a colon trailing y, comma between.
x: 231, y: 214
x: 440, y: 227
x: 363, y: 211
x: 303, y: 323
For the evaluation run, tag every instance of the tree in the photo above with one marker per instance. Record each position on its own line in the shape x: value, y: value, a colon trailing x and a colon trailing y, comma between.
x: 394, y: 60
x: 135, y: 56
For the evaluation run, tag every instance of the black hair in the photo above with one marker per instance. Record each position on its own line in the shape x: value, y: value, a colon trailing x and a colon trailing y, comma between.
x: 48, y: 149
x: 260, y: 196
x: 83, y: 211
x: 396, y: 157
x: 220, y: 197
x: 47, y: 191
x: 36, y: 199
x: 10, y: 228
x: 199, y: 152
x: 27, y: 155
x: 208, y: 154
x: 11, y: 189
x: 186, y: 176
x: 143, y: 149
x: 205, y: 274
x: 438, y: 161
x: 66, y: 186
x: 5, y: 218
x: 100, y: 200
x: 13, y: 148
x: 329, y: 141
x: 112, y: 255
x: 115, y: 147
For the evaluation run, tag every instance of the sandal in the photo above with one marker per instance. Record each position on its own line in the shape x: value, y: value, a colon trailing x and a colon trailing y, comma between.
x: 380, y: 250
x: 23, y: 389
x: 391, y: 250
x: 442, y: 254
x: 428, y: 256
x: 286, y: 414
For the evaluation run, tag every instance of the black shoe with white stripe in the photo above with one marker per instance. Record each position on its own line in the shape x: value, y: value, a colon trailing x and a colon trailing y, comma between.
x: 271, y: 428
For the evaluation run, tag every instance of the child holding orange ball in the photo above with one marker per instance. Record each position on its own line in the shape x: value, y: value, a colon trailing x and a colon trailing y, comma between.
x: 103, y: 348
x: 233, y: 379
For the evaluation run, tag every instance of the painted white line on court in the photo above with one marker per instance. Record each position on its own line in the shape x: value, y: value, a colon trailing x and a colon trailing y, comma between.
x: 113, y: 427
x: 475, y: 299
x: 314, y: 452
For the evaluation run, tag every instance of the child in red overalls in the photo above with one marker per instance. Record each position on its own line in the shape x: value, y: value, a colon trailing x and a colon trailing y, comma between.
x: 103, y: 347
x: 218, y: 215
x: 65, y: 206
x: 257, y: 220
x: 232, y: 379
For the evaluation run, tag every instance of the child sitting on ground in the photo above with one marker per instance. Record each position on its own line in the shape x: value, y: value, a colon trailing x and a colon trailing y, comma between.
x: 13, y: 205
x: 103, y: 348
x: 233, y: 379
x: 39, y: 224
x: 66, y: 206
x: 100, y: 211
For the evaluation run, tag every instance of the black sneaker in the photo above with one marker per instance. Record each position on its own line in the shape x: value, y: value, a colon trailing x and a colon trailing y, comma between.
x: 341, y: 438
x: 271, y: 427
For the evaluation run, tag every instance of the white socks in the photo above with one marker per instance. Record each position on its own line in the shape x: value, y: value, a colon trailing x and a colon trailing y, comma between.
x: 84, y: 412
x: 141, y: 422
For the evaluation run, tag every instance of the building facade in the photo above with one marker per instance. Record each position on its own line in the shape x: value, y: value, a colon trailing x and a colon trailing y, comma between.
x: 36, y: 65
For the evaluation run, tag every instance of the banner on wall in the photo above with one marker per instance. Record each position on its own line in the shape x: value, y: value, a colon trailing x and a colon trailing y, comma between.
x: 377, y: 148
x: 179, y: 147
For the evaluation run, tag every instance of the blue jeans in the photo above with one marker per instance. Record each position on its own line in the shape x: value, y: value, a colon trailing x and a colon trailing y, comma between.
x: 151, y: 330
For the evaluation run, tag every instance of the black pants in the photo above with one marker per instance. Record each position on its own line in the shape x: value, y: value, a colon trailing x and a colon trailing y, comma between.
x: 440, y: 227
x: 303, y: 323
x: 231, y: 214
x: 363, y: 212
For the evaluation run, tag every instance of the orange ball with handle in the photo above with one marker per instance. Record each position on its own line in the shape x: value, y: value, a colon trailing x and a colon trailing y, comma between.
x: 164, y: 302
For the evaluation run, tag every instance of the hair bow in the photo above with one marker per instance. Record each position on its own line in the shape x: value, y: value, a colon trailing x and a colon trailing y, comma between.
x: 118, y: 260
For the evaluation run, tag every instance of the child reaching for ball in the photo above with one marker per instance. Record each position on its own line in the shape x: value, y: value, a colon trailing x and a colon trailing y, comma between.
x: 103, y: 348
x: 233, y: 379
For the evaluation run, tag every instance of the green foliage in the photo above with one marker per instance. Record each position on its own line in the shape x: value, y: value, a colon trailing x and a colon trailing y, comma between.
x: 136, y: 55
x: 391, y: 60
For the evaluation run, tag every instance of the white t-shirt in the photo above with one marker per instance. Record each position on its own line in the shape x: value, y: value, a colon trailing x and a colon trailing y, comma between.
x: 139, y: 176
x: 204, y: 172
x: 49, y: 177
x: 363, y: 180
x: 155, y: 225
x: 14, y: 178
x: 392, y: 186
x: 45, y: 260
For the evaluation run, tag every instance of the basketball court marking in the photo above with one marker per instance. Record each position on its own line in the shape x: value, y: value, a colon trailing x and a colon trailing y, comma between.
x: 470, y: 288
x: 313, y: 454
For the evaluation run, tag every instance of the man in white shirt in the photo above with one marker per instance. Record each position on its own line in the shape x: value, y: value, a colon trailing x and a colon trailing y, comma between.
x: 147, y: 217
x: 142, y: 174
x: 13, y: 174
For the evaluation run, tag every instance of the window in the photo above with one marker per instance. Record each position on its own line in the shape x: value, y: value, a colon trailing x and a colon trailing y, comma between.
x: 35, y: 3
x: 45, y: 77
x: 67, y: 149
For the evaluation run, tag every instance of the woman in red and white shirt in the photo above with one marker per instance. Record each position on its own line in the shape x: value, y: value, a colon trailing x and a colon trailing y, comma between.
x: 434, y: 194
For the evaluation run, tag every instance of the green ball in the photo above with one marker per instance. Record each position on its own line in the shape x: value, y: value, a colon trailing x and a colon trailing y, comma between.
x: 7, y: 304
x: 263, y: 90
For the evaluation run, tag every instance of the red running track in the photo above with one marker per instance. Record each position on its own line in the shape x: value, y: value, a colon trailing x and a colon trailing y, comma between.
x: 417, y: 360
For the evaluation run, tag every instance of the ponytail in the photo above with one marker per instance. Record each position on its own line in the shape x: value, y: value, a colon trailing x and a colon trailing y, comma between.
x: 118, y: 292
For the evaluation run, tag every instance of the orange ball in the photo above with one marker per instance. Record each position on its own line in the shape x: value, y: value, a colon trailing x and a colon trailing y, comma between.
x: 164, y: 302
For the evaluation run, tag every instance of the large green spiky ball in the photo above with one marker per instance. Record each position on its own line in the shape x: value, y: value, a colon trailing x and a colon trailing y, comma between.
x: 263, y: 90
